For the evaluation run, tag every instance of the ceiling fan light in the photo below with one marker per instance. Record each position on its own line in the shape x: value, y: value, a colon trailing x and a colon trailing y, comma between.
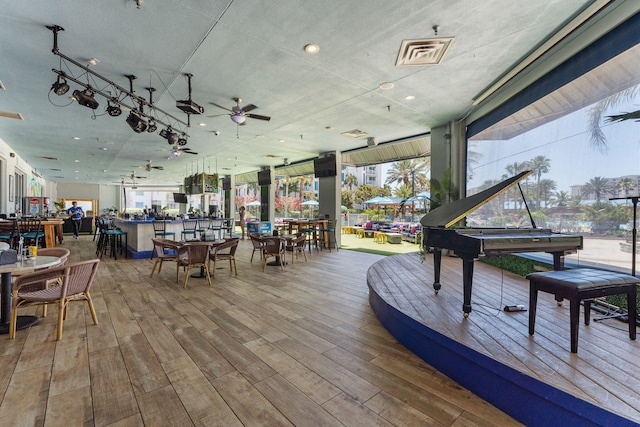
x: 238, y: 118
x: 60, y: 86
x: 136, y: 123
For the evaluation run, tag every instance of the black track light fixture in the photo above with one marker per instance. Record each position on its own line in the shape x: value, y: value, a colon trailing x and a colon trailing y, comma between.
x: 85, y: 99
x: 60, y: 86
x: 169, y: 135
x: 152, y: 127
x: 182, y: 141
x: 137, y: 123
x: 114, y: 110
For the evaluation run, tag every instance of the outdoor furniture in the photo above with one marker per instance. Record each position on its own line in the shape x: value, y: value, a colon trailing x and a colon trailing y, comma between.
x: 394, y: 238
x: 360, y: 233
x: 379, y: 237
x: 296, y: 246
x: 273, y: 247
x: 216, y: 225
x: 225, y: 251
x: 327, y: 235
x: 9, y: 233
x: 30, y: 230
x: 256, y: 241
x: 75, y: 282
x: 582, y: 284
x: 165, y: 250
x: 192, y: 255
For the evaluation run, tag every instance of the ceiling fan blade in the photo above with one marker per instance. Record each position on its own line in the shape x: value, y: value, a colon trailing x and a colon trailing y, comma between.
x: 190, y: 152
x: 258, y: 116
x: 219, y: 106
x: 248, y: 108
x: 217, y: 115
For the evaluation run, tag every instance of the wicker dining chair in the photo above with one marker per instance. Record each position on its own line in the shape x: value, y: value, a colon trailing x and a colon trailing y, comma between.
x: 225, y: 251
x: 165, y: 250
x: 192, y: 255
x: 256, y: 241
x: 296, y: 246
x: 273, y: 247
x: 76, y: 280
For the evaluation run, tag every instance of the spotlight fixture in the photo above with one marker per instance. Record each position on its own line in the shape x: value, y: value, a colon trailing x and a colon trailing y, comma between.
x: 60, y: 86
x: 152, y: 126
x: 169, y: 135
x: 182, y: 141
x: 85, y: 99
x: 114, y: 110
x: 136, y: 122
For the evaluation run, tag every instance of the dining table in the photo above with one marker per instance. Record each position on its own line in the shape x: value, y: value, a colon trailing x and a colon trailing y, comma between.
x: 6, y: 272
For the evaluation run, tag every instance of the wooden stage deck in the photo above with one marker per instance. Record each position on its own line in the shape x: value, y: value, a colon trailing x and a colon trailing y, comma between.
x: 535, y: 379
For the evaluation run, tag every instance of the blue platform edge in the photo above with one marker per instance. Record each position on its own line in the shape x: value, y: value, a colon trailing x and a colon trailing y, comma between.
x: 528, y: 400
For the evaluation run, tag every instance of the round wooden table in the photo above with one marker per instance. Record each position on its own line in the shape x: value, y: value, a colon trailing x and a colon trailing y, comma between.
x: 6, y: 271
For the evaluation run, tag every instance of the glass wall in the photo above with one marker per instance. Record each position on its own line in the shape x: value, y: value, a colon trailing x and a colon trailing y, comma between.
x: 584, y: 153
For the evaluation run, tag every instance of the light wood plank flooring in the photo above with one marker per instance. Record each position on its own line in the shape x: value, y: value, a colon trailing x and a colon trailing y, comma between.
x: 603, y: 372
x: 300, y: 347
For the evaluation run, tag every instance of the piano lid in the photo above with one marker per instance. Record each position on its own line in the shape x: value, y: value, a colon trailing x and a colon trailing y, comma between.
x: 449, y: 214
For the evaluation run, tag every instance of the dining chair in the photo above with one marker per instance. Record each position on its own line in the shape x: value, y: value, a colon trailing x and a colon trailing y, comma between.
x: 296, y: 246
x: 75, y: 282
x: 327, y: 235
x: 225, y: 251
x: 273, y: 247
x: 9, y: 233
x: 63, y: 254
x: 190, y: 227
x: 256, y: 241
x: 216, y: 225
x: 165, y: 250
x: 192, y: 255
x: 160, y: 230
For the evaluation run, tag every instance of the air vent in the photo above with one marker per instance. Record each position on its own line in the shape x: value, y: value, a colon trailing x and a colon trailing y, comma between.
x: 422, y: 51
x: 58, y: 176
x: 272, y: 156
x: 48, y: 158
x: 355, y: 133
x: 10, y: 115
x: 55, y: 170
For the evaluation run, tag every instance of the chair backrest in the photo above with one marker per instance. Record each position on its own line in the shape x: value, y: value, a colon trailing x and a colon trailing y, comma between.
x: 300, y: 241
x: 158, y: 226
x: 204, y: 223
x: 161, y: 244
x: 256, y: 240
x: 9, y: 232
x: 216, y: 223
x: 228, y: 248
x: 273, y: 245
x: 38, y: 279
x: 62, y: 253
x: 193, y: 253
x: 79, y: 277
x: 190, y: 224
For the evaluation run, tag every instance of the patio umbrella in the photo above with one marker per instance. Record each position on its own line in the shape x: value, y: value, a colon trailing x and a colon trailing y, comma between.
x: 311, y: 204
x: 255, y: 203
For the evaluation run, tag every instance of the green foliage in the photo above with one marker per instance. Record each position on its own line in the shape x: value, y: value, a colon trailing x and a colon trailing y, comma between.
x: 517, y: 264
x: 443, y: 191
x: 366, y: 192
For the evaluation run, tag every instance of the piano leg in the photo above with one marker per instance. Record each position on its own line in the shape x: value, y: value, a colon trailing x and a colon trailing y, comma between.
x: 467, y: 283
x: 558, y: 264
x: 437, y: 260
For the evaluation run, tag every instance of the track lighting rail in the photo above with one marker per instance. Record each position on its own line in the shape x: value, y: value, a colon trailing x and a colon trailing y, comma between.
x: 155, y: 114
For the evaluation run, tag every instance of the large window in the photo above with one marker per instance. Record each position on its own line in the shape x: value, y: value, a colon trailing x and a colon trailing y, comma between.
x: 581, y: 159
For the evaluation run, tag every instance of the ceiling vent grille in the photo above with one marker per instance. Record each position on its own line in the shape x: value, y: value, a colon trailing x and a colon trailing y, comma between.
x: 354, y: 133
x: 422, y: 51
x: 47, y: 158
x: 10, y: 115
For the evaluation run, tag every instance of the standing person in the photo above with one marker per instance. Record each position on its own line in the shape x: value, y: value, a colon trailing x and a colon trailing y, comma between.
x: 76, y: 213
x: 242, y: 222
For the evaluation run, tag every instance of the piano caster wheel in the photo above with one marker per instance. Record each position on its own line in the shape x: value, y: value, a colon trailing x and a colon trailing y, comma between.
x: 436, y: 291
x: 466, y: 315
x: 559, y: 303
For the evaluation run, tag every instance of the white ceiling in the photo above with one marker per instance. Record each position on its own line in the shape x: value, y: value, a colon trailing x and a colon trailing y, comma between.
x: 251, y: 49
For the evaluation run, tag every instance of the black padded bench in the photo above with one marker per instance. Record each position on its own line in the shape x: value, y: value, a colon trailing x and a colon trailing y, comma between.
x: 578, y: 285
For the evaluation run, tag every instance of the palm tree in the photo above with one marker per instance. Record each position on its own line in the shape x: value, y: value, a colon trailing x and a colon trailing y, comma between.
x: 410, y: 172
x: 539, y: 165
x: 303, y: 181
x: 597, y: 140
x: 514, y: 169
x: 599, y: 186
x: 560, y: 199
x: 626, y: 185
x: 545, y: 187
x: 350, y: 181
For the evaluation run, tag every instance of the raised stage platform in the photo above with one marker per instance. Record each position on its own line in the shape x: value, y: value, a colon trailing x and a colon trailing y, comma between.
x: 535, y: 379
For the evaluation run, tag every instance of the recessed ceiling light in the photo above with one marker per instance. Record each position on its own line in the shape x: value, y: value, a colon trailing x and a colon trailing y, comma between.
x: 92, y: 61
x: 202, y: 124
x: 328, y: 127
x: 104, y: 148
x: 77, y: 171
x: 387, y: 85
x: 281, y: 140
x: 311, y: 48
x: 77, y: 138
x: 409, y: 97
x: 76, y: 161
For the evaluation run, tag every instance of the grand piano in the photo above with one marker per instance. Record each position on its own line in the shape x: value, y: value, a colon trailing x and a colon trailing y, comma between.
x: 471, y: 243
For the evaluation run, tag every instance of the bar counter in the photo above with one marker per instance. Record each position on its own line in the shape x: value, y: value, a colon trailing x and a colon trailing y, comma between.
x: 140, y: 233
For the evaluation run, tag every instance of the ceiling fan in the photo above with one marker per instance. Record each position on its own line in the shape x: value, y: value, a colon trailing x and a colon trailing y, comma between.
x: 133, y: 176
x: 239, y: 114
x: 176, y: 151
x: 149, y: 167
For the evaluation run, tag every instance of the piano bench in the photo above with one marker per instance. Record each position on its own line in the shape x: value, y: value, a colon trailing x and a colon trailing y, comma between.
x: 582, y: 284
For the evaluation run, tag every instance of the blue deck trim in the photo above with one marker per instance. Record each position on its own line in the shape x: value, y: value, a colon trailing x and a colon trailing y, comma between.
x: 528, y: 400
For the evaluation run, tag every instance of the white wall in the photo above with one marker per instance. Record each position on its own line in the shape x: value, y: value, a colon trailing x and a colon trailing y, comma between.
x: 9, y: 166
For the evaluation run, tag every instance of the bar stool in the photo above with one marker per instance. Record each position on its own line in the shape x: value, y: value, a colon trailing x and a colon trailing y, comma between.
x: 160, y: 230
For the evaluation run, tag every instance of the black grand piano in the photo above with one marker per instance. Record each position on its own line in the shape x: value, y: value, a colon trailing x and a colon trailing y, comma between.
x: 472, y: 243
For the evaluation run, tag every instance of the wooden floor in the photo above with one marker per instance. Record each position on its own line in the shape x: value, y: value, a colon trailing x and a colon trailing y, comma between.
x: 299, y: 347
x: 605, y: 372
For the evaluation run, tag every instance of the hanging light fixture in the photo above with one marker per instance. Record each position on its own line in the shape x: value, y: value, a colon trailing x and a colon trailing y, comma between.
x: 152, y: 127
x: 137, y: 123
x: 113, y: 110
x: 238, y: 118
x: 85, y: 99
x: 60, y: 86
